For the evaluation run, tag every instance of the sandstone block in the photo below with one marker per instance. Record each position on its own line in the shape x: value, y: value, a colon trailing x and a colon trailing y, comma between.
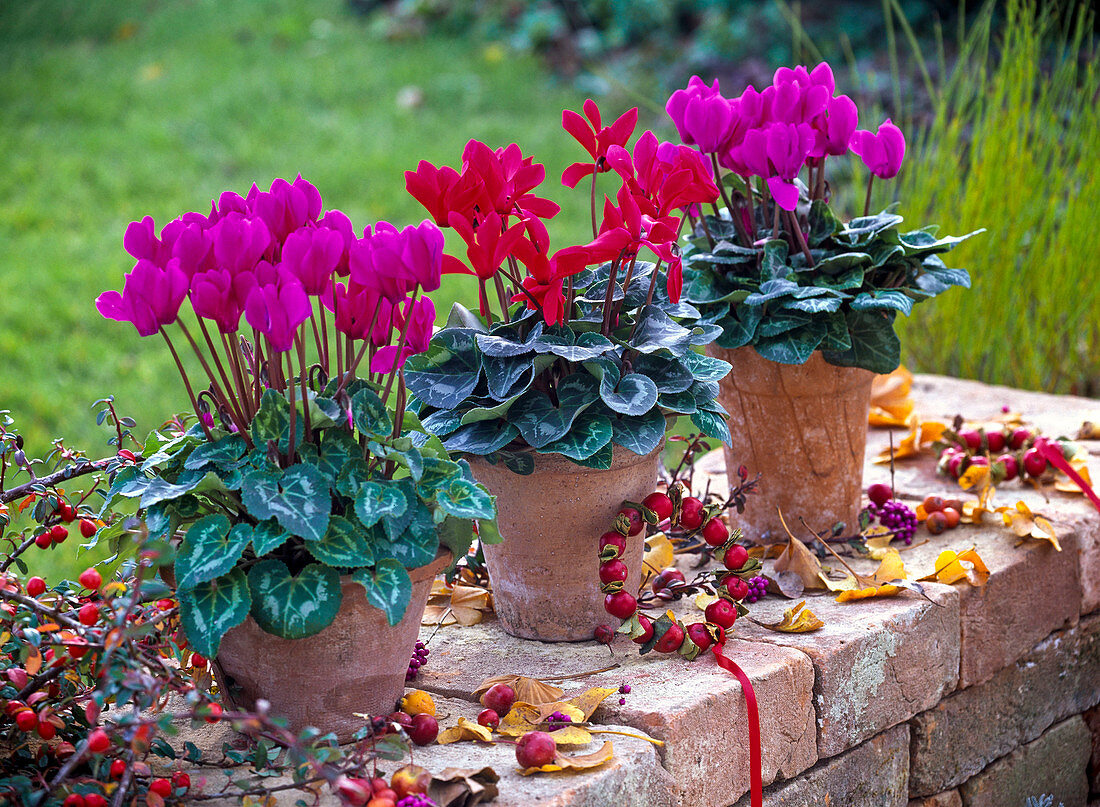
x: 1054, y: 764
x: 960, y: 736
x: 697, y: 708
x: 950, y: 798
x: 876, y: 662
x: 874, y: 774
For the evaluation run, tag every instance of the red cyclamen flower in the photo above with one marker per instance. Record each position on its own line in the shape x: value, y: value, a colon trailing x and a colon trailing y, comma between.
x: 595, y: 138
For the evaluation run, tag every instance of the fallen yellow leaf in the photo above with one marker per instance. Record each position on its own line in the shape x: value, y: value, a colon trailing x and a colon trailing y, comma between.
x: 1026, y: 524
x: 1066, y: 485
x: 953, y: 566
x: 796, y: 620
x: 658, y: 555
x: 464, y: 730
x: 798, y: 558
x: 868, y: 593
x: 528, y: 690
x: 890, y: 401
x: 920, y: 435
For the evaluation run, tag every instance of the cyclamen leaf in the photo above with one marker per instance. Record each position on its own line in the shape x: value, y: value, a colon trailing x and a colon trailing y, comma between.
x: 377, y: 499
x: 267, y: 537
x: 417, y: 544
x: 158, y: 490
x: 344, y: 545
x: 601, y: 460
x: 507, y: 377
x: 299, y: 499
x: 883, y: 299
x: 635, y: 394
x: 443, y: 422
x: 369, y: 414
x: 482, y: 437
x: 210, y: 548
x: 875, y: 346
x: 639, y: 434
x: 561, y: 341
x: 337, y: 449
x: 658, y: 331
x: 464, y: 499
x: 712, y: 423
x: 211, y: 609
x: 447, y: 372
x: 225, y: 453
x: 388, y: 588
x: 739, y: 327
x: 272, y: 422
x: 500, y: 410
x: 540, y: 422
x: 437, y: 473
x: 293, y: 607
x: 793, y: 346
x: 591, y: 432
x: 774, y: 265
x: 670, y: 375
x: 703, y: 368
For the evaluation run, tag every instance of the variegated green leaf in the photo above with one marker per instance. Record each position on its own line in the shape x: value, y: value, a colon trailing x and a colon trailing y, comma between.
x: 210, y: 548
x: 293, y: 606
x: 209, y: 610
x: 388, y: 588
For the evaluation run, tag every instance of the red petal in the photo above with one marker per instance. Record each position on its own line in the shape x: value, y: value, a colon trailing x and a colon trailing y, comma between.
x: 576, y: 126
x: 575, y: 173
x: 593, y: 113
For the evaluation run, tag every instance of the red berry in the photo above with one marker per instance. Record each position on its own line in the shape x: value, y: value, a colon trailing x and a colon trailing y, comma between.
x: 879, y: 493
x: 26, y: 720
x: 698, y: 634
x: 933, y: 504
x: 612, y: 571
x: 46, y: 730
x: 996, y: 441
x: 44, y: 540
x: 87, y: 527
x: 67, y: 512
x: 499, y: 698
x: 736, y: 557
x: 604, y: 634
x: 488, y: 718
x: 36, y: 587
x: 647, y: 627
x: 665, y: 578
x: 722, y: 613
x: 74, y: 800
x: 355, y: 792
x: 162, y: 787
x: 691, y: 513
x: 620, y: 605
x: 1035, y: 464
x: 936, y: 522
x: 1011, y: 466
x: 197, y: 661
x: 952, y: 515
x: 637, y: 523
x: 972, y: 438
x: 715, y: 533
x: 671, y: 641
x: 118, y: 768
x: 660, y: 504
x: 91, y: 579
x: 77, y: 648
x: 58, y: 533
x: 1019, y: 438
x: 424, y: 729
x: 98, y: 741
x: 89, y: 613
x: 737, y: 587
x: 613, y: 539
x: 95, y: 800
x: 535, y: 749
x: 955, y: 465
x: 214, y: 711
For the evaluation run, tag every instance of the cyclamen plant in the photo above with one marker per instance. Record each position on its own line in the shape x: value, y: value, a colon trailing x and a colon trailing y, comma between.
x: 307, y: 469
x: 776, y: 269
x: 589, y: 346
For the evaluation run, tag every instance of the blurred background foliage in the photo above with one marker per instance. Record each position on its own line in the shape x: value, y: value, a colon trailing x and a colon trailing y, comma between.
x: 111, y: 111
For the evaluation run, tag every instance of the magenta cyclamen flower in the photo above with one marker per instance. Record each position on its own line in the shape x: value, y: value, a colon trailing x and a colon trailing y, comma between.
x: 150, y: 298
x: 835, y: 127
x: 286, y: 207
x: 777, y: 153
x: 882, y: 152
x: 312, y: 254
x: 276, y: 306
x: 702, y: 116
x: 239, y: 242
x: 418, y: 335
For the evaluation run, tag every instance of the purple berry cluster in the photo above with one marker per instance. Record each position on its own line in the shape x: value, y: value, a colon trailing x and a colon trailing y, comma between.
x: 895, y: 516
x: 419, y: 659
x: 558, y: 720
x: 416, y: 800
x: 758, y: 587
x: 624, y: 690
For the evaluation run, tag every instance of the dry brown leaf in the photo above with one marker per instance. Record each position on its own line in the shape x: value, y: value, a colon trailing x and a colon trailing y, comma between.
x: 798, y: 619
x: 1026, y: 524
x: 583, y: 762
x: 519, y: 720
x: 1088, y: 431
x: 463, y: 787
x: 953, y: 566
x: 790, y: 585
x: 879, y: 584
x: 463, y: 604
x: 528, y: 690
x: 465, y: 730
x: 890, y: 401
x: 974, y: 512
x: 797, y: 557
x: 658, y: 555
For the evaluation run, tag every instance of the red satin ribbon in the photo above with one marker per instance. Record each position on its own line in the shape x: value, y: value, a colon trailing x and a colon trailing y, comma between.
x: 1053, y: 454
x: 756, y: 787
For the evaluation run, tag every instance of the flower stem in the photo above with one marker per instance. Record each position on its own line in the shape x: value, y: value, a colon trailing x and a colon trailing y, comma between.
x: 793, y: 220
x: 302, y: 369
x: 293, y: 412
x: 592, y: 200
x: 187, y: 384
x: 400, y: 346
x: 718, y: 182
x: 867, y: 201
x: 752, y: 209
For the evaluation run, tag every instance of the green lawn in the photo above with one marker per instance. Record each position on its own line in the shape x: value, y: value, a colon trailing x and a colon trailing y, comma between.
x: 112, y: 111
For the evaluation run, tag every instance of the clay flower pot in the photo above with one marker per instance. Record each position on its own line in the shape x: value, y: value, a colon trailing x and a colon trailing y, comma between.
x: 804, y: 428
x: 545, y: 575
x: 356, y: 664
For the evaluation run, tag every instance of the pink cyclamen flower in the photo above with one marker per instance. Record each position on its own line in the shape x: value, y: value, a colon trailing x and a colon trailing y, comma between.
x: 418, y: 333
x: 150, y: 298
x: 835, y: 127
x: 312, y: 254
x: 777, y: 153
x: 212, y: 297
x: 883, y: 152
x: 703, y: 117
x: 276, y: 306
x: 239, y: 242
x: 285, y: 207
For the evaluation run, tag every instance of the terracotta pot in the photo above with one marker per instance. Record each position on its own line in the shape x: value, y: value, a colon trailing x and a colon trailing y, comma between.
x: 804, y: 428
x: 545, y: 575
x: 356, y: 664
